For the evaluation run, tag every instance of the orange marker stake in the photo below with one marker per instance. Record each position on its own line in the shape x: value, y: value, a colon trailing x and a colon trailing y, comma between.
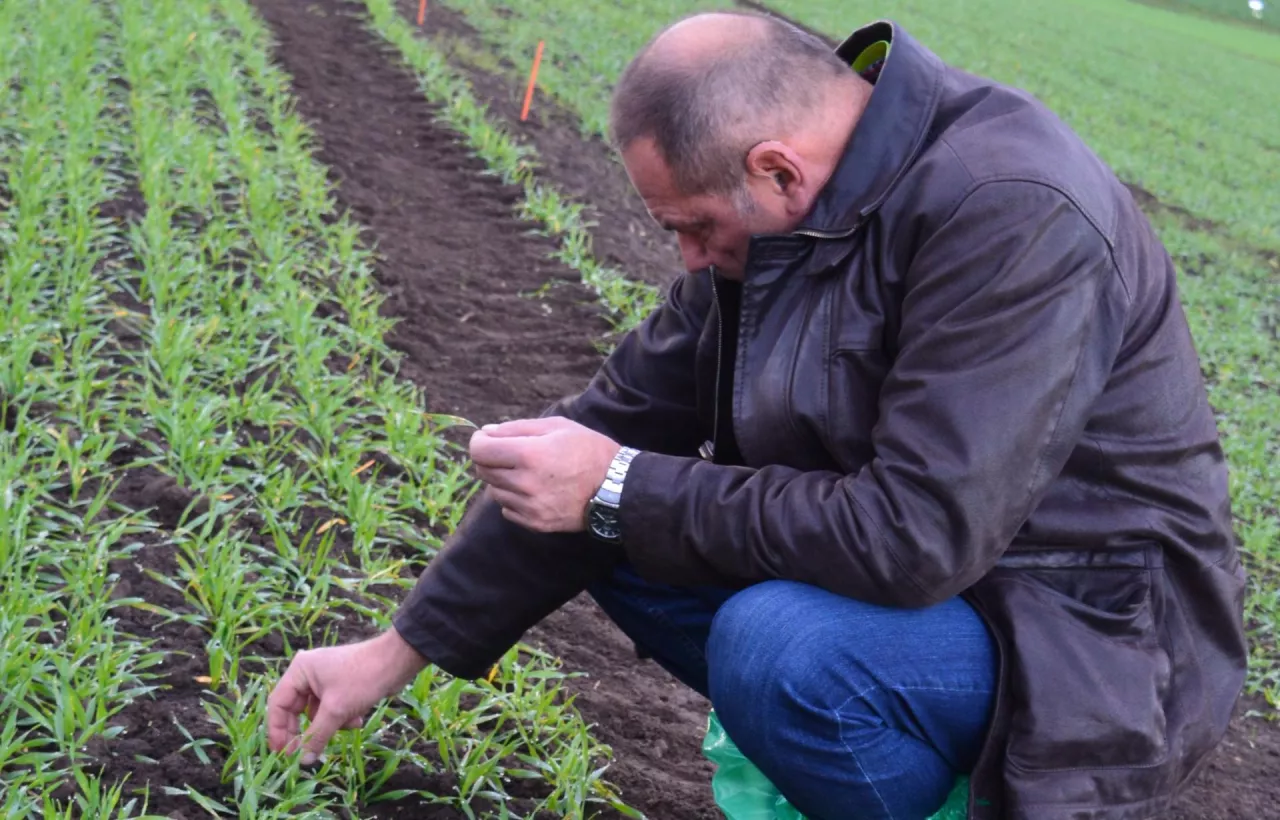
x: 422, y: 12
x: 533, y: 80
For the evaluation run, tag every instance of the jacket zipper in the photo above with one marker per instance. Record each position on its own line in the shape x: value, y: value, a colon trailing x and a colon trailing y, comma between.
x: 708, y: 448
x: 829, y: 234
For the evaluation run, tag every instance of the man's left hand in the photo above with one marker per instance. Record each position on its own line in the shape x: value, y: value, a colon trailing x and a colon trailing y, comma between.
x: 542, y: 472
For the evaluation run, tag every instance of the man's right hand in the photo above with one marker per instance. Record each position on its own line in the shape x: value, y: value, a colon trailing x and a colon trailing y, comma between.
x: 335, y: 687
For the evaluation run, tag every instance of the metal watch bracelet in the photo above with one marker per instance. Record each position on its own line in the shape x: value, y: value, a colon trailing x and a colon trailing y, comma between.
x: 610, y: 491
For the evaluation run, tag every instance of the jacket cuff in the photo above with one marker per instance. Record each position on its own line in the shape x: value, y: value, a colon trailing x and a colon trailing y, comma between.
x: 441, y: 645
x: 652, y: 532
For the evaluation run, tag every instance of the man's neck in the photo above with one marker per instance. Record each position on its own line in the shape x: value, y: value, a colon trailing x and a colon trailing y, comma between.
x: 843, y: 107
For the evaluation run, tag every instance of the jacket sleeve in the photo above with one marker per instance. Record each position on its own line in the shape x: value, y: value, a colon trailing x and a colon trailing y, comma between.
x: 1012, y: 316
x: 493, y: 579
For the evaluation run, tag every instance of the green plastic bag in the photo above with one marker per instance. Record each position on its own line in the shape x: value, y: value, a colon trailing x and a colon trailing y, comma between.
x: 743, y: 792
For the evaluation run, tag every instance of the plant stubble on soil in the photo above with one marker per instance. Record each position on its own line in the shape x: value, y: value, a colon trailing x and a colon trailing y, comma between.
x: 455, y: 263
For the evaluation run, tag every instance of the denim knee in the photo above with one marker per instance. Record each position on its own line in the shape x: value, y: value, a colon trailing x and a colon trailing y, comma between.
x: 760, y: 656
x: 850, y: 708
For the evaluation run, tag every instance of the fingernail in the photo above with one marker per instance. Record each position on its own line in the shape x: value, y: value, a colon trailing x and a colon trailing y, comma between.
x: 309, y: 758
x: 489, y: 427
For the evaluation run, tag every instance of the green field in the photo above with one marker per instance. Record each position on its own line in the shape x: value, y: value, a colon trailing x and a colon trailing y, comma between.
x: 1233, y: 11
x: 218, y: 336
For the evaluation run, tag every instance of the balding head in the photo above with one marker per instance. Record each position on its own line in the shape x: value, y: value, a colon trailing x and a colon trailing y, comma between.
x: 693, y: 41
x: 709, y: 87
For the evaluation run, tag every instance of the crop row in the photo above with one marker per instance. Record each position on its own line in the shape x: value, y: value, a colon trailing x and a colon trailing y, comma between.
x: 184, y: 312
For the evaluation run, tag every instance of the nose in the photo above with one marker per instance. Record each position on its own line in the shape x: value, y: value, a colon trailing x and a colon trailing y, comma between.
x: 694, y: 252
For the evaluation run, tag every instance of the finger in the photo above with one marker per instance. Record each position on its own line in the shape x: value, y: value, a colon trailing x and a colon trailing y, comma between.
x: 522, y: 519
x: 500, y: 453
x: 326, y: 724
x: 508, y: 480
x: 511, y: 502
x: 525, y: 427
x: 284, y: 705
x: 355, y: 723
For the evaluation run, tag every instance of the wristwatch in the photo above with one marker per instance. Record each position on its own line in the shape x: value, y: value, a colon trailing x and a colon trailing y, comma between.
x: 602, y: 510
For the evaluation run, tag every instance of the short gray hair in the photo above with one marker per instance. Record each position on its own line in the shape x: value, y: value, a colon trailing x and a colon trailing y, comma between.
x: 705, y: 118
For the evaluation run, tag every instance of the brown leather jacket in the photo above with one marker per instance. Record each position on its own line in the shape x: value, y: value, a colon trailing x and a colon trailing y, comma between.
x: 968, y: 373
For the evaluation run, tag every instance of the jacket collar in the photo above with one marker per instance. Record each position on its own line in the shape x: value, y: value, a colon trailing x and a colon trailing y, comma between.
x: 887, y: 138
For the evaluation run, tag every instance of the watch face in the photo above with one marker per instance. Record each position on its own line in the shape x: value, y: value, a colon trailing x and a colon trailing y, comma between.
x: 604, y: 523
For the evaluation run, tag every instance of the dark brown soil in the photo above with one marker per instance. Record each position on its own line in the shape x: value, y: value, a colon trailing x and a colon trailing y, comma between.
x: 152, y: 749
x: 1242, y: 778
x: 458, y: 269
x: 453, y: 259
x: 581, y: 166
x: 454, y: 263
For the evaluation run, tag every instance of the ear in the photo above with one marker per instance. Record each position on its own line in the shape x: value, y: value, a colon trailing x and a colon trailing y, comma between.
x: 778, y: 165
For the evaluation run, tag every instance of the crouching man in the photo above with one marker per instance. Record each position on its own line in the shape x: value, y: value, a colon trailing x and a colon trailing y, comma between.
x: 912, y: 475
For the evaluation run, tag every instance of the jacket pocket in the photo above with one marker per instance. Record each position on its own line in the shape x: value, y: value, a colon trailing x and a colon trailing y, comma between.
x: 1087, y: 674
x: 853, y: 403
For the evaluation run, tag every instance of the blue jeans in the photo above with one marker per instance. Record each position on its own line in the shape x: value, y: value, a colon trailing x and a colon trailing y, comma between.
x: 852, y: 710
